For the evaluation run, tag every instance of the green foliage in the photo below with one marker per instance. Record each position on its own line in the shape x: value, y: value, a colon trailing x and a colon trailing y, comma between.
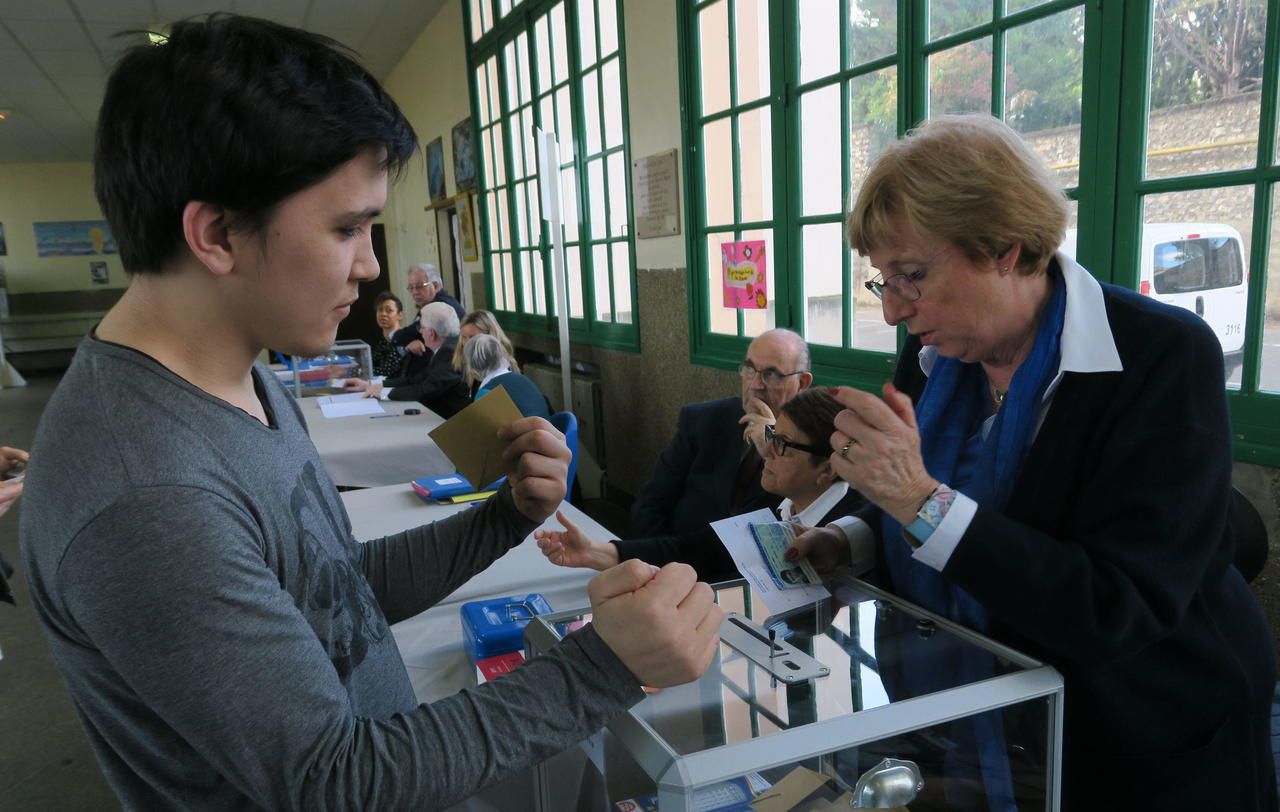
x: 1205, y: 49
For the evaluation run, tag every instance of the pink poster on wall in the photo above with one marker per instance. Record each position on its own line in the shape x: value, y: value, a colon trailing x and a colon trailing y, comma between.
x: 746, y: 275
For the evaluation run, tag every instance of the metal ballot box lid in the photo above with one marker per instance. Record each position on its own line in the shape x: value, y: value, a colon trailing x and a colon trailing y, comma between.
x: 877, y: 677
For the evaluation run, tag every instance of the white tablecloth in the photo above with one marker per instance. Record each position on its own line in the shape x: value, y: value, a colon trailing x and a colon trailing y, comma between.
x: 431, y: 643
x: 364, y: 452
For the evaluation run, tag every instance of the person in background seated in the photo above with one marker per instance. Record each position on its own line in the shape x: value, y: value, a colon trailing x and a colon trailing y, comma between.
x: 475, y: 323
x: 487, y: 362
x: 707, y: 472
x: 797, y: 467
x: 11, y: 460
x: 409, y: 337
x: 438, y: 387
x: 387, y: 357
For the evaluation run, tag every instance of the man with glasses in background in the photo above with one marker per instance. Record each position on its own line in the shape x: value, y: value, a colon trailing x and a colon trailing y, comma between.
x: 709, y: 470
x: 425, y: 287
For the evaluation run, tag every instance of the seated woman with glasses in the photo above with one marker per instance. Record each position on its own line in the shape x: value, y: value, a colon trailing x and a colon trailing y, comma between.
x: 487, y: 363
x: 797, y: 466
x: 387, y: 357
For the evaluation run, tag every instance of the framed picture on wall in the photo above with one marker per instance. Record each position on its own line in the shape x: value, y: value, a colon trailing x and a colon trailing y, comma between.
x: 467, y: 229
x: 464, y: 156
x: 435, y: 170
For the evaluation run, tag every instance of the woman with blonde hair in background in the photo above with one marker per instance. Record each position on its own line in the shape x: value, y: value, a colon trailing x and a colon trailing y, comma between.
x: 475, y: 323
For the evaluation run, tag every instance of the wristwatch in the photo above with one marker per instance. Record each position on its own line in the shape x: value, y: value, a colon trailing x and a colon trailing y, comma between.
x: 929, y: 516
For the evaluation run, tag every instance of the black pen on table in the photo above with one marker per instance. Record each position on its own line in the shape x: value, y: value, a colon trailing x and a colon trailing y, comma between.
x: 379, y: 416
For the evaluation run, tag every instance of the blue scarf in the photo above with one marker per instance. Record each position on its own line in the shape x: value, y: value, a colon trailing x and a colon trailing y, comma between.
x: 951, y: 414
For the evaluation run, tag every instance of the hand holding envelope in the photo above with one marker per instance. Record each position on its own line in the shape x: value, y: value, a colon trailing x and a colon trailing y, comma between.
x: 490, y: 438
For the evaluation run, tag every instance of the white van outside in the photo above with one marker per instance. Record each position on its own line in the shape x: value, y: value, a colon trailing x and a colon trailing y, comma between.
x: 1199, y: 267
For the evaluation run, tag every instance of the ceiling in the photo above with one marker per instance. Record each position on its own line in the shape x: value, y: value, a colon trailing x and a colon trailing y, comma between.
x: 55, y: 55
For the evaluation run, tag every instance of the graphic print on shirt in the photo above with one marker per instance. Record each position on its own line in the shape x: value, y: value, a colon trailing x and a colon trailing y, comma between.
x: 338, y: 602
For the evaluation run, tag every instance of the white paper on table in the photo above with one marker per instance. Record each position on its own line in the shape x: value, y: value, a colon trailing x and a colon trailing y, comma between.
x: 352, y: 408
x: 735, y: 535
x: 349, y: 397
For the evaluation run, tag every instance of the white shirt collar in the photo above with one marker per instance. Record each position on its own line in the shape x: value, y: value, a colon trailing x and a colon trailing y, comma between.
x: 501, y: 370
x: 1087, y: 342
x: 818, y: 508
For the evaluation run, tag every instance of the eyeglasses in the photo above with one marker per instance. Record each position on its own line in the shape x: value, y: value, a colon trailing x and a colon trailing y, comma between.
x: 419, y: 286
x: 781, y: 444
x: 770, y: 376
x: 903, y: 285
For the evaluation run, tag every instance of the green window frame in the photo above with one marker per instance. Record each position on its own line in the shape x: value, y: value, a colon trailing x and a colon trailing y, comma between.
x: 904, y: 58
x: 561, y: 65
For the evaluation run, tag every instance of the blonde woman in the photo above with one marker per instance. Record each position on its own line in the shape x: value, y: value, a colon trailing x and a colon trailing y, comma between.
x: 475, y: 323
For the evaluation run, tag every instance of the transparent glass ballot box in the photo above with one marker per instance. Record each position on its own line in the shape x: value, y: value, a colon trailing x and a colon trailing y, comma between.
x: 869, y: 701
x: 317, y: 375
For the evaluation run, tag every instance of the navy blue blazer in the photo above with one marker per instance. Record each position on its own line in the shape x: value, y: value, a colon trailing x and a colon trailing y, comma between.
x: 692, y: 484
x: 1113, y: 562
x: 524, y: 393
x: 439, y: 387
x: 703, y: 550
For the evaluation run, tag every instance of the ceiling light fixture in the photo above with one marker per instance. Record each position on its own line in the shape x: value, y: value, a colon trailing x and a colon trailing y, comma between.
x: 4, y: 114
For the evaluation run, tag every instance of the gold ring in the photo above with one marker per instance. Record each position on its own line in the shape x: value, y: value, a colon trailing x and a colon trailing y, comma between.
x: 844, y: 450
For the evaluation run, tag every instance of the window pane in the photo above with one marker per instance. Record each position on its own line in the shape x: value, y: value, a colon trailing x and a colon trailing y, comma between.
x: 612, y: 105
x: 587, y: 31
x: 559, y: 45
x: 494, y: 216
x: 819, y: 38
x: 717, y: 180
x: 949, y: 16
x: 510, y: 64
x: 1043, y: 79
x: 752, y: 48
x: 482, y: 97
x: 535, y: 211
x: 477, y: 21
x: 713, y: 51
x: 499, y: 157
x: 533, y: 267
x: 495, y: 91
x: 960, y: 79
x: 522, y: 54
x: 517, y: 148
x: 872, y: 31
x: 600, y: 276
x: 564, y: 124
x: 1206, y: 59
x: 823, y: 247
x: 622, y: 282
x: 1194, y: 254
x: 618, y: 225
x: 504, y: 219
x: 521, y: 230
x: 573, y: 262
x: 721, y: 319
x: 542, y: 44
x: 596, y: 196
x: 755, y: 163
x: 1018, y: 5
x: 867, y: 327
x: 569, y: 199
x: 591, y: 110
x: 486, y: 155
x: 873, y: 120
x: 528, y: 302
x: 820, y: 151
x: 755, y: 322
x: 530, y: 142
x: 608, y: 27
x: 508, y: 281
x: 1269, y: 373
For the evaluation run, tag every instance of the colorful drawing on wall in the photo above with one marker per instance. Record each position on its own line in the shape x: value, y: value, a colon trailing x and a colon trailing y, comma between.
x: 746, y: 275
x: 464, y: 156
x: 467, y: 229
x: 4, y: 249
x: 98, y: 273
x: 435, y: 170
x: 74, y: 238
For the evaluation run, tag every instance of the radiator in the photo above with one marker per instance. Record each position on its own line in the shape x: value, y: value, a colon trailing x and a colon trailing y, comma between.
x: 587, y: 405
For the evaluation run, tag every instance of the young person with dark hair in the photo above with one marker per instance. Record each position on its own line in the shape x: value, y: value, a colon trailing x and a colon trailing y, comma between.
x: 387, y: 357
x: 224, y: 638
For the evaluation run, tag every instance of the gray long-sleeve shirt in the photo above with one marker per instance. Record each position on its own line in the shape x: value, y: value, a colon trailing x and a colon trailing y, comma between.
x: 225, y: 639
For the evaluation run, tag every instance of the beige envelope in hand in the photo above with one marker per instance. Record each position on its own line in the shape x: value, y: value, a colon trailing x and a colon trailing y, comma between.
x: 470, y: 438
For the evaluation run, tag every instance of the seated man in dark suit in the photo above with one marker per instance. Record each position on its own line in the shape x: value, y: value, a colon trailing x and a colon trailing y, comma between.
x: 439, y: 387
x: 425, y: 286
x: 708, y: 471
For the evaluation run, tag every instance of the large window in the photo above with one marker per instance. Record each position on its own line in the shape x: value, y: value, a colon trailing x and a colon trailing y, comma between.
x: 555, y: 66
x: 1171, y: 173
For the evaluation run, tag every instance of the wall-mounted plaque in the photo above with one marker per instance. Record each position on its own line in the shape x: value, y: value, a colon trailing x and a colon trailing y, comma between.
x: 655, y: 187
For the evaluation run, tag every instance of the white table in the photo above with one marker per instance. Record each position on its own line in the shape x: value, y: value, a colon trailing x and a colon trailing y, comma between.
x: 431, y: 643
x: 366, y: 452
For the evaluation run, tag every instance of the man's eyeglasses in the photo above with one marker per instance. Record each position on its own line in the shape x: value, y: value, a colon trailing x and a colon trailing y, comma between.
x: 781, y: 444
x: 903, y: 285
x: 418, y: 286
x: 769, y: 375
